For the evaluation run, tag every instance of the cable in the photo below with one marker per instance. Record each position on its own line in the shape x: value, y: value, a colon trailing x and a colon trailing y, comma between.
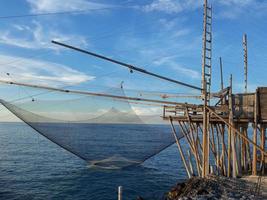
x: 55, y: 13
x: 111, y: 7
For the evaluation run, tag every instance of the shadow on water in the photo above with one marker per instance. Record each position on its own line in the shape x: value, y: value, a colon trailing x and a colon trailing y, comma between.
x: 33, y: 168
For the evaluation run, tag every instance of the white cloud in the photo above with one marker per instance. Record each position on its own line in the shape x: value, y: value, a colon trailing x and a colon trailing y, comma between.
x: 167, y: 6
x: 185, y: 71
x: 228, y: 8
x: 235, y: 2
x: 233, y: 9
x: 181, y: 32
x: 35, y: 36
x: 172, y: 6
x: 43, y: 6
x: 39, y: 72
x: 147, y: 110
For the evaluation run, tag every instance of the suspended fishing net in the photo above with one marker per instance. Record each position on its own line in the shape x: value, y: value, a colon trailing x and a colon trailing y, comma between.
x: 106, y: 132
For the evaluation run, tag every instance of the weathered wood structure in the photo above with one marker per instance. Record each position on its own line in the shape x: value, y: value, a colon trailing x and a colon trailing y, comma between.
x: 233, y: 149
x: 220, y: 137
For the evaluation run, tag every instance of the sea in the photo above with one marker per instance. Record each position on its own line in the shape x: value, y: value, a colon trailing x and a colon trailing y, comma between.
x: 32, y: 167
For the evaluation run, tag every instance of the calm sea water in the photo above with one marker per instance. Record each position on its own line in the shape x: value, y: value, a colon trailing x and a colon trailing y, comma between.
x: 31, y: 167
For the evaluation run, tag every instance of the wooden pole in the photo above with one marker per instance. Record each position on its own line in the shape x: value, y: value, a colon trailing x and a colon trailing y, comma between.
x: 229, y: 129
x: 191, y: 128
x: 221, y: 70
x: 189, y: 140
x: 232, y: 136
x: 244, y: 151
x: 180, y: 149
x: 205, y: 145
x: 254, y: 159
x: 239, y: 152
x: 190, y: 162
x: 236, y: 131
x: 127, y: 65
x: 245, y: 62
x: 248, y: 154
x: 263, y: 133
x: 224, y: 151
x: 186, y: 135
x: 218, y: 149
x: 120, y: 193
x: 93, y: 93
x: 204, y: 82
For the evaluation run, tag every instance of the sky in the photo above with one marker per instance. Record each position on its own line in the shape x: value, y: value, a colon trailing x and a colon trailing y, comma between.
x: 162, y: 36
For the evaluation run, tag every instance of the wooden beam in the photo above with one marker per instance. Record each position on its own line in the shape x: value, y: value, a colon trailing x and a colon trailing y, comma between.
x: 129, y: 66
x: 93, y: 93
x: 237, y: 132
x: 263, y: 134
x: 205, y: 145
x: 180, y: 149
x: 254, y: 157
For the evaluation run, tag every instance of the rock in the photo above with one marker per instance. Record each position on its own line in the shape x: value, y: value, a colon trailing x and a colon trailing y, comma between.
x: 213, y: 187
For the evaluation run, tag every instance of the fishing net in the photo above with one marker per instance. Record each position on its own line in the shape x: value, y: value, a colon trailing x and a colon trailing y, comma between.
x: 106, y: 132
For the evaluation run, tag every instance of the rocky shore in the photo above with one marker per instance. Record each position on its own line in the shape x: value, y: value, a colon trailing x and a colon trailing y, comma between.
x: 214, y: 187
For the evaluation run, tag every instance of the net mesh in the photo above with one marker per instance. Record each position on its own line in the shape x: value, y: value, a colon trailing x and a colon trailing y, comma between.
x: 105, y: 132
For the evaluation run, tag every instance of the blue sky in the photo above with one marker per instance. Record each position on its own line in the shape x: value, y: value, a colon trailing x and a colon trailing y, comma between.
x: 163, y: 36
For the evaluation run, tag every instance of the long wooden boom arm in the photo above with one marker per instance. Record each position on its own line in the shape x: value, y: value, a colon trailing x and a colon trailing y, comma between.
x: 94, y: 94
x: 131, y: 67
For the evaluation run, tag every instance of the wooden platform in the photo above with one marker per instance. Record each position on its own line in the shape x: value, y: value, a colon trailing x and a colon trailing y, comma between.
x: 226, y: 132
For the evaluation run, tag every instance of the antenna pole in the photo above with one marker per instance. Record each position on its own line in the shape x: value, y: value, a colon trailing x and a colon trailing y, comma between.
x: 221, y: 70
x: 245, y: 47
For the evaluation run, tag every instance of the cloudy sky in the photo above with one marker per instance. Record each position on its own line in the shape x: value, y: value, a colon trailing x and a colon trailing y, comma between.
x: 162, y: 36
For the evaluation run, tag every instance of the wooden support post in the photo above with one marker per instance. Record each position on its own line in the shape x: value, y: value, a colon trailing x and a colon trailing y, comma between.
x: 244, y: 151
x: 229, y: 129
x: 254, y: 159
x: 186, y: 135
x: 248, y: 154
x: 198, y: 140
x: 237, y: 131
x: 190, y: 162
x: 263, y: 133
x: 219, y: 166
x: 212, y: 144
x: 180, y: 149
x: 224, y: 151
x: 205, y: 145
x: 195, y: 147
x: 234, y: 159
x: 120, y: 193
x: 239, y: 152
